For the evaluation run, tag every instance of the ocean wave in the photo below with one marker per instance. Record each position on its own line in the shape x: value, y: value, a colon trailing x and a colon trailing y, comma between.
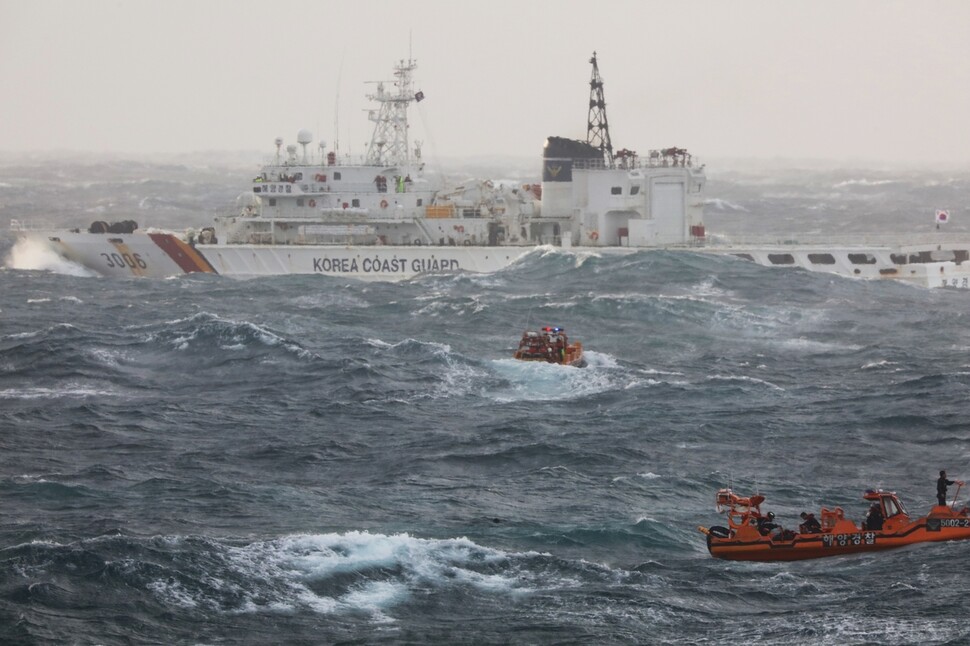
x: 69, y: 391
x: 205, y: 330
x: 723, y: 205
x: 881, y: 363
x: 32, y: 255
x: 356, y: 573
x: 53, y: 329
x: 865, y: 182
x: 537, y: 380
x: 745, y: 379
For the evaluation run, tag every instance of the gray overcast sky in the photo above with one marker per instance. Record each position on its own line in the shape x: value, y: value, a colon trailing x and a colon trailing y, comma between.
x: 823, y: 79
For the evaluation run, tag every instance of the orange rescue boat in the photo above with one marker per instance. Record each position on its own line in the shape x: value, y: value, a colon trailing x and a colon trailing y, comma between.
x: 550, y: 344
x: 751, y: 536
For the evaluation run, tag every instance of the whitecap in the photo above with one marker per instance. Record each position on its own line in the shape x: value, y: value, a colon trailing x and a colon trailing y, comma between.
x: 744, y: 378
x: 529, y: 380
x: 864, y: 182
x: 35, y: 255
x: 388, y: 569
x: 724, y: 205
x: 54, y: 393
x: 882, y: 363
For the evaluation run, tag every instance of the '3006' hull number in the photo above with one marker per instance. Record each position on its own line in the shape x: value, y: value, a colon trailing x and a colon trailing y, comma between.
x: 124, y: 260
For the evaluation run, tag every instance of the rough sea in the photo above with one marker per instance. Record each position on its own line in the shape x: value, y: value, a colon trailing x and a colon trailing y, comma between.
x: 307, y: 460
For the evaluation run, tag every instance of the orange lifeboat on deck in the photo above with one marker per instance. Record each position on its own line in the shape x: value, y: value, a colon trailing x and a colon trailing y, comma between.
x: 551, y: 345
x: 753, y: 536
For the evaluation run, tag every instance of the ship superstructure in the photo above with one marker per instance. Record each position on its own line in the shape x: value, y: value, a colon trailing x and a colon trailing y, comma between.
x: 586, y: 198
x: 383, y: 200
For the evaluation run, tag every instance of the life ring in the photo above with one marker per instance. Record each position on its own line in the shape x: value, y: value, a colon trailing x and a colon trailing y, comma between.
x: 460, y: 229
x: 320, y: 177
x: 312, y: 203
x: 383, y: 204
x: 466, y: 242
x: 594, y: 236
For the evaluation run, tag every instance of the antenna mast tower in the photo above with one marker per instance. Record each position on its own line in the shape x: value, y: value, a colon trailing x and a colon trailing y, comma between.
x: 389, y: 143
x: 598, y: 129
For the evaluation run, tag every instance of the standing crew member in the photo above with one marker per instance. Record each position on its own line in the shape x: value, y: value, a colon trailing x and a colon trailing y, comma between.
x: 941, y: 485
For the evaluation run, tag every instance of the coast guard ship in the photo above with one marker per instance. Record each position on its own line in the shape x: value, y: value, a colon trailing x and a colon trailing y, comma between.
x: 308, y: 212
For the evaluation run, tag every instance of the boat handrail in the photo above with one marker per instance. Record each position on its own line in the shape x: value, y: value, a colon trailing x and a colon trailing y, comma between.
x: 888, y: 240
x: 18, y: 225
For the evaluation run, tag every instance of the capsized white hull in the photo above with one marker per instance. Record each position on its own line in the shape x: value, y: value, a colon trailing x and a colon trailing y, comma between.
x: 916, y: 264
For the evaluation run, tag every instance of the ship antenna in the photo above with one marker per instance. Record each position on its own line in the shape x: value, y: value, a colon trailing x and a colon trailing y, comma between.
x: 597, y: 128
x: 389, y: 142
x: 336, y: 108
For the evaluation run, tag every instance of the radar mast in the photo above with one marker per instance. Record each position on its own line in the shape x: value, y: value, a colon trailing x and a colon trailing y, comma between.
x: 389, y: 143
x: 597, y: 128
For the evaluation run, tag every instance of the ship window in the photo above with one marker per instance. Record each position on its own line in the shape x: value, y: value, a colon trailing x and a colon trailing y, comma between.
x: 891, y: 508
x: 862, y: 259
x: 821, y: 258
x: 299, y: 201
x: 272, y: 189
x: 617, y: 190
x: 420, y: 201
x: 898, y: 259
x: 272, y: 201
x: 355, y: 202
x: 298, y: 177
x: 289, y: 188
x: 634, y: 189
x: 256, y: 189
x: 304, y: 188
x: 781, y: 259
x: 336, y: 175
x: 888, y: 272
x: 745, y: 256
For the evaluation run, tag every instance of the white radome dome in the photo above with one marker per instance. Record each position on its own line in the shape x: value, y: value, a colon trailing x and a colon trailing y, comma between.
x: 304, y: 137
x: 247, y: 199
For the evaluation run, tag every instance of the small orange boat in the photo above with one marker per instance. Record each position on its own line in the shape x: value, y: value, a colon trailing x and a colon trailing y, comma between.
x: 752, y: 536
x: 550, y: 344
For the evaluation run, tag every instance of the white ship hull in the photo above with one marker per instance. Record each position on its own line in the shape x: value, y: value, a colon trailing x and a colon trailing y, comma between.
x: 162, y: 255
x: 386, y: 263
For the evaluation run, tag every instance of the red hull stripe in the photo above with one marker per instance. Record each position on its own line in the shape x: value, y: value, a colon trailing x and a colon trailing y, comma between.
x: 187, y: 258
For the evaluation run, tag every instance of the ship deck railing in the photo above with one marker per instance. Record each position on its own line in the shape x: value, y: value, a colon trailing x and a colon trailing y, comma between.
x: 31, y: 225
x: 889, y: 240
x: 634, y: 163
